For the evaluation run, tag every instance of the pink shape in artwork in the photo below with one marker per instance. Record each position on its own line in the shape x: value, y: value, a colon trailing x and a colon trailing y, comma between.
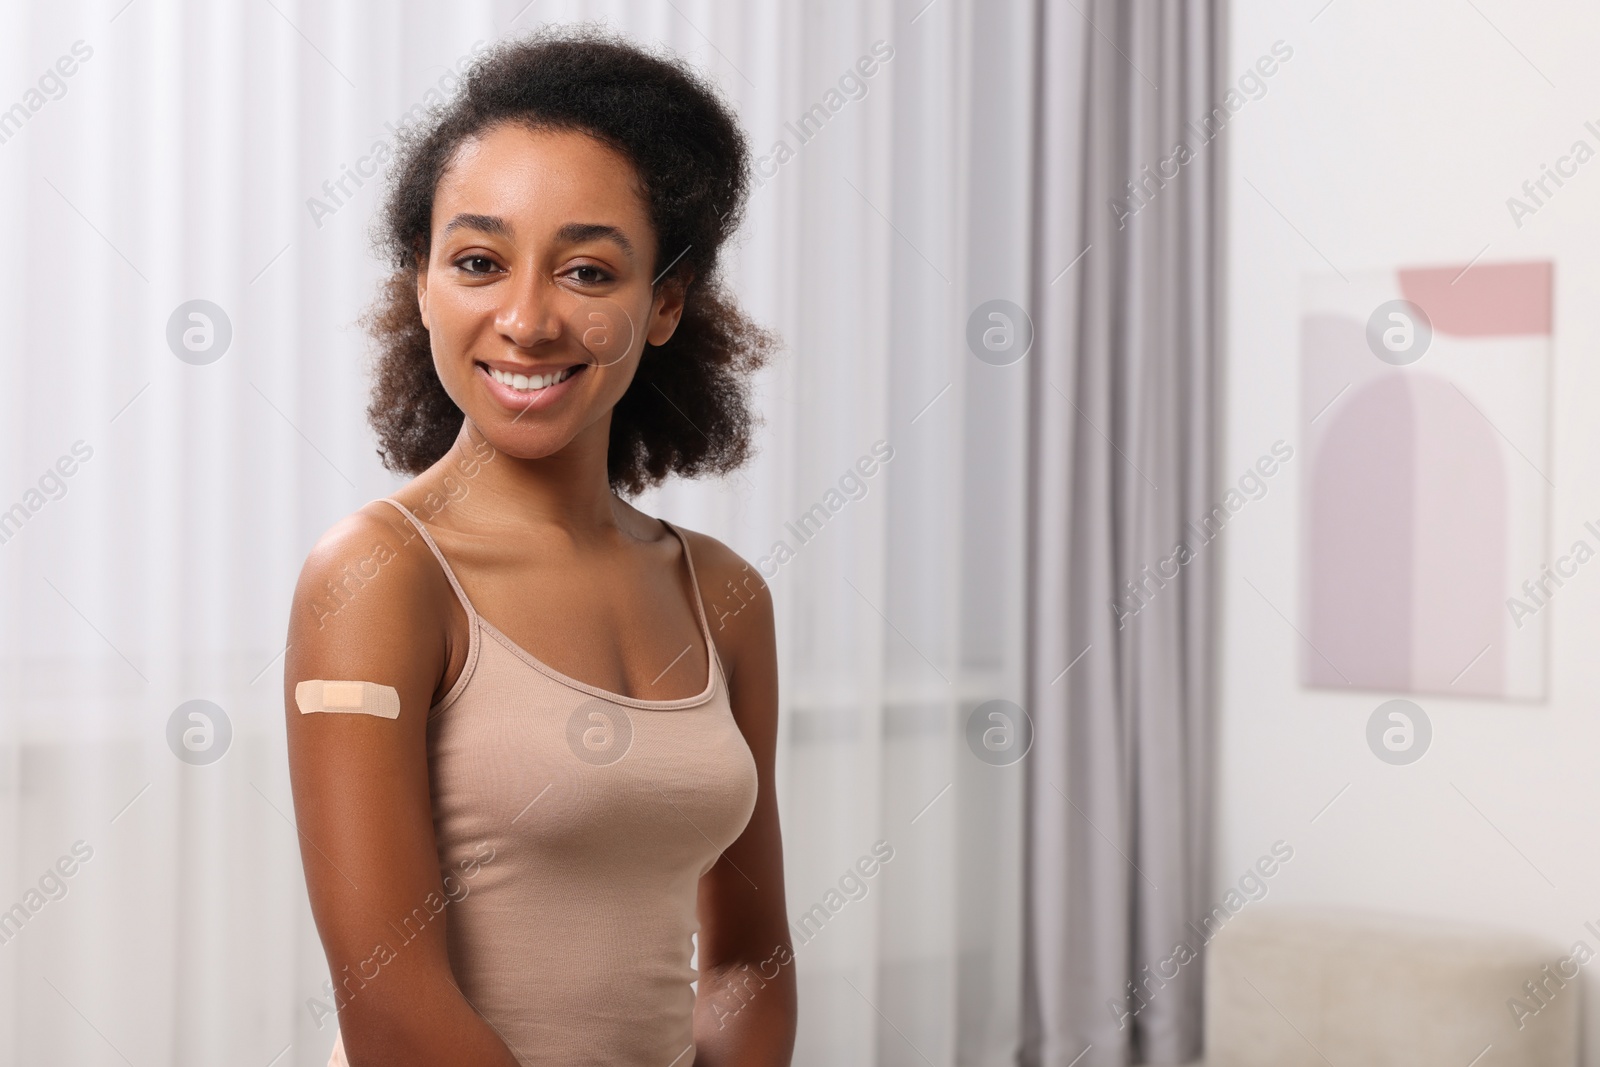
x: 1362, y: 541
x: 1492, y: 300
x: 1461, y: 508
x: 1407, y: 535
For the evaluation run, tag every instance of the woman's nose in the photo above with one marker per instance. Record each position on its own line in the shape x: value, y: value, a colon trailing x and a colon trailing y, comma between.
x: 531, y: 312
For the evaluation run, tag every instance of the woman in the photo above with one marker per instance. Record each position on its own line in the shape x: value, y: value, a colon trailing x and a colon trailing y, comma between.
x: 526, y: 767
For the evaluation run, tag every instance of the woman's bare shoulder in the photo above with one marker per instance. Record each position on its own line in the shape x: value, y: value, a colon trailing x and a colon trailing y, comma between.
x: 738, y: 601
x: 370, y: 562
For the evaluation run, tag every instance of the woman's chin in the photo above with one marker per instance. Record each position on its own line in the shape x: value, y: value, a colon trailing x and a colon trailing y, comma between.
x: 522, y: 438
x: 538, y: 443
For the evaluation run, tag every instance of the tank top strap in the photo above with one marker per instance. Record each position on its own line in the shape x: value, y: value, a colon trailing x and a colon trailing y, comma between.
x: 444, y: 564
x: 694, y: 583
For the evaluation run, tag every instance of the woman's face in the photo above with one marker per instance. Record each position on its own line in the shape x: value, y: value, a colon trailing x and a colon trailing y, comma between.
x: 536, y: 293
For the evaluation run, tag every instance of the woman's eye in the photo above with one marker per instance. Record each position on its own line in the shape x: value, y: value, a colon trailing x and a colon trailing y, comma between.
x: 476, y: 264
x: 587, y: 275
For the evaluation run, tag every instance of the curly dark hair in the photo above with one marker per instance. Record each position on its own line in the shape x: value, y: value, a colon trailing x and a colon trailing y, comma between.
x: 687, y: 410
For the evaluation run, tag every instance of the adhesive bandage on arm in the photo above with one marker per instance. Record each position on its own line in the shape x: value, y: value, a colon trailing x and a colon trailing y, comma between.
x: 351, y: 698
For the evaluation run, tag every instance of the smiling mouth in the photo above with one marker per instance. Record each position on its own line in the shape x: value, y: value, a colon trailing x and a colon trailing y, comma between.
x: 532, y: 383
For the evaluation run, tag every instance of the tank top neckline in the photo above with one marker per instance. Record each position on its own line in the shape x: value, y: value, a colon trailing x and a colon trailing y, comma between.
x: 477, y: 623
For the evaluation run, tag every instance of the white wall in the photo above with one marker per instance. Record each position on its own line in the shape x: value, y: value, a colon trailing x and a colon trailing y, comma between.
x: 1394, y: 136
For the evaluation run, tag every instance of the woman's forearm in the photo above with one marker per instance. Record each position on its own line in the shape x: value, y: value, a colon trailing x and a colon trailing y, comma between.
x: 742, y: 1018
x: 444, y: 1030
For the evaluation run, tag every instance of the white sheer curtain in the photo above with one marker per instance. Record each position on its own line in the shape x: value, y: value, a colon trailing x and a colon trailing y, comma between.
x: 178, y: 161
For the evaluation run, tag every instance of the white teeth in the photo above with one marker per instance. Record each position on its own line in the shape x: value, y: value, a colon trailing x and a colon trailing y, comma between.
x: 530, y: 383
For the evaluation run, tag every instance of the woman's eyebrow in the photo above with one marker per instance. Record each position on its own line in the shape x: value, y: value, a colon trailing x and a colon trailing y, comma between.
x: 570, y: 233
x: 493, y: 225
x: 574, y: 232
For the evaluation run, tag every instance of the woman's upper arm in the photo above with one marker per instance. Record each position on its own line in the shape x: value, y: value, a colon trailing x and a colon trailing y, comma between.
x: 367, y: 610
x: 743, y: 916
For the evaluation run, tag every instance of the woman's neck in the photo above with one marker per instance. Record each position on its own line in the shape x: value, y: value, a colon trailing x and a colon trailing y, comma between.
x: 494, y: 493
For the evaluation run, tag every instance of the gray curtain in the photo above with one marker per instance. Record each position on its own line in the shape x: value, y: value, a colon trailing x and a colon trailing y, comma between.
x: 1124, y: 387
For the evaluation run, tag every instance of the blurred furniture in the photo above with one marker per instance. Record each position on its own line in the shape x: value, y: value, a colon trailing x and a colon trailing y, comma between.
x: 1303, y: 987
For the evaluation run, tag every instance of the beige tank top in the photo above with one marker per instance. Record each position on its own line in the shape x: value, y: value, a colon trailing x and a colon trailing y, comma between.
x: 573, y: 827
